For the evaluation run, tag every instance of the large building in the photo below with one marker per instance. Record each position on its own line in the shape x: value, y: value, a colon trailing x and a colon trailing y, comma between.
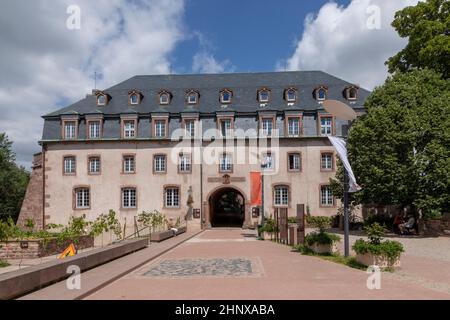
x: 192, y: 146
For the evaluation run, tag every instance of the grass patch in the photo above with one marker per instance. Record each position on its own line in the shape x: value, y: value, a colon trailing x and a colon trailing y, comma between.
x: 336, y: 258
x: 4, y: 263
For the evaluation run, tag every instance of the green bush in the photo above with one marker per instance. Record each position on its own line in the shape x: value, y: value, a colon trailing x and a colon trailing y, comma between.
x: 388, y: 249
x: 268, y: 226
x: 375, y: 231
x: 432, y: 214
x: 320, y: 222
x: 321, y: 238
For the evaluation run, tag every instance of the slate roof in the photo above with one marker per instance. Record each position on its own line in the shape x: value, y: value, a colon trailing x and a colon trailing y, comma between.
x: 243, y: 85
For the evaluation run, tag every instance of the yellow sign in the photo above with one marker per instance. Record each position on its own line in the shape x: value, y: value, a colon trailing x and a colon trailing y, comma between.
x: 68, y: 252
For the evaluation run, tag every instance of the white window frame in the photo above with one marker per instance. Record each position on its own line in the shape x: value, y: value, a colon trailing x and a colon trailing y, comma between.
x: 131, y: 98
x: 226, y: 163
x: 296, y: 161
x: 160, y: 128
x: 287, y: 95
x: 185, y: 163
x: 225, y: 128
x: 324, y: 94
x: 266, y: 129
x: 327, y: 127
x: 70, y: 165
x: 82, y: 198
x: 159, y: 163
x: 129, y: 198
x: 98, y: 100
x: 269, y: 161
x: 70, y: 130
x: 326, y: 196
x: 189, y: 127
x: 94, y: 129
x: 192, y: 94
x: 129, y: 164
x: 281, y: 196
x: 260, y: 93
x: 129, y: 129
x: 294, y: 130
x: 349, y: 91
x: 172, y: 197
x: 94, y: 164
x: 222, y: 96
x: 326, y: 161
x: 164, y: 94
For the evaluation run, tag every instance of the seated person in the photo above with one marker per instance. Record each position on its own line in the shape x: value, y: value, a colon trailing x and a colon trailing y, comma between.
x: 407, y: 225
x: 171, y: 226
x: 397, y: 221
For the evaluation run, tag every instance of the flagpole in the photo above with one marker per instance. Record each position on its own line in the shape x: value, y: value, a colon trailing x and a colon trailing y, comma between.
x: 346, y: 215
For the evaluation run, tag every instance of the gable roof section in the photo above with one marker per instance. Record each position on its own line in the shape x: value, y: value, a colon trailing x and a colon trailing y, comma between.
x: 243, y: 85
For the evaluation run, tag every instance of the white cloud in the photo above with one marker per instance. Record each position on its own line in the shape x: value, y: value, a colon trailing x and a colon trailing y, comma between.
x: 205, y: 62
x: 43, y: 63
x: 337, y: 40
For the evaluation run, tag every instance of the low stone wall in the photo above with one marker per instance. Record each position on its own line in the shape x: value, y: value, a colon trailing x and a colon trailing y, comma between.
x: 31, y: 249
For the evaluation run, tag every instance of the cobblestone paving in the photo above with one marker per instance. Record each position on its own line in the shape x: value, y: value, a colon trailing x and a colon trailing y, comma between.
x: 216, y: 267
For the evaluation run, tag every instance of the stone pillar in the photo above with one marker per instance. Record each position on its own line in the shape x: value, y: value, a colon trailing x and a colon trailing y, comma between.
x: 32, y: 207
x: 248, y: 216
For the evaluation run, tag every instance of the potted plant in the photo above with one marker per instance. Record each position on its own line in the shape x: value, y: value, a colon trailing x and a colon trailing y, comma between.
x: 321, y: 241
x: 267, y: 229
x: 384, y: 254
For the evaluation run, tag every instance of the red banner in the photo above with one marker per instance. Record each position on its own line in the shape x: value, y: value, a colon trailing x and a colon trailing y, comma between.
x: 255, y: 185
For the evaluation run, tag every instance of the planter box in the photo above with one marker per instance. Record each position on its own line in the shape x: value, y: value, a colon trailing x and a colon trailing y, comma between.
x: 267, y: 235
x: 31, y: 249
x: 181, y: 230
x: 369, y: 259
x: 161, y: 235
x: 324, y: 248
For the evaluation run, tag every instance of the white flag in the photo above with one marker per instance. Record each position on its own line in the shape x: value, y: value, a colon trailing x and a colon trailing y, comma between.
x: 341, y: 147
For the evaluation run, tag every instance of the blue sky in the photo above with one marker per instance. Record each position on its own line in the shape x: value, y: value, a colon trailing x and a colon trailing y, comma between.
x: 251, y: 34
x: 52, y: 65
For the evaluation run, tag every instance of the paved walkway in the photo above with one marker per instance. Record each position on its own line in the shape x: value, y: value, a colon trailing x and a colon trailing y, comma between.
x: 232, y: 264
x: 98, y: 277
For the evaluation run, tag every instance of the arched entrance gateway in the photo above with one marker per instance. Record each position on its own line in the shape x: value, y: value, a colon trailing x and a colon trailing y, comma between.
x: 227, y: 207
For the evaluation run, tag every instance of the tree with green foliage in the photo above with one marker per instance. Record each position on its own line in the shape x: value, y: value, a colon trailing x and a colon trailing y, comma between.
x: 427, y: 27
x: 13, y: 181
x: 399, y: 150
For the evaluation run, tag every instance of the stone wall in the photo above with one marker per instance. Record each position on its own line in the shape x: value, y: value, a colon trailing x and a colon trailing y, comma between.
x: 33, y: 201
x: 31, y: 249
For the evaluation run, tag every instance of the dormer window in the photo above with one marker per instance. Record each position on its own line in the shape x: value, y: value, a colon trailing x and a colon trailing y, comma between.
x: 351, y: 93
x: 290, y: 95
x: 263, y: 95
x: 192, y: 97
x: 225, y: 96
x: 101, y: 99
x: 321, y: 93
x: 164, y: 97
x: 134, y: 97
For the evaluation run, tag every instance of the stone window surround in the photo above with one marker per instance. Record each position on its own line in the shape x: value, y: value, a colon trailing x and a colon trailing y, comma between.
x: 286, y: 96
x: 281, y: 184
x: 222, y: 118
x: 154, y: 166
x: 319, y: 124
x: 64, y: 173
x: 125, y: 155
x: 89, y: 157
x: 153, y: 128
x: 88, y: 129
x: 347, y: 92
x: 197, y: 96
x: 269, y: 94
x: 168, y: 100
x: 122, y: 187
x: 320, y: 197
x: 74, y: 197
x: 300, y: 163
x: 262, y: 116
x: 220, y: 162
x: 225, y: 90
x: 333, y: 161
x: 182, y: 154
x: 187, y: 119
x: 63, y: 128
x: 298, y: 116
x: 139, y: 96
x: 122, y: 126
x: 172, y: 186
x: 316, y: 92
